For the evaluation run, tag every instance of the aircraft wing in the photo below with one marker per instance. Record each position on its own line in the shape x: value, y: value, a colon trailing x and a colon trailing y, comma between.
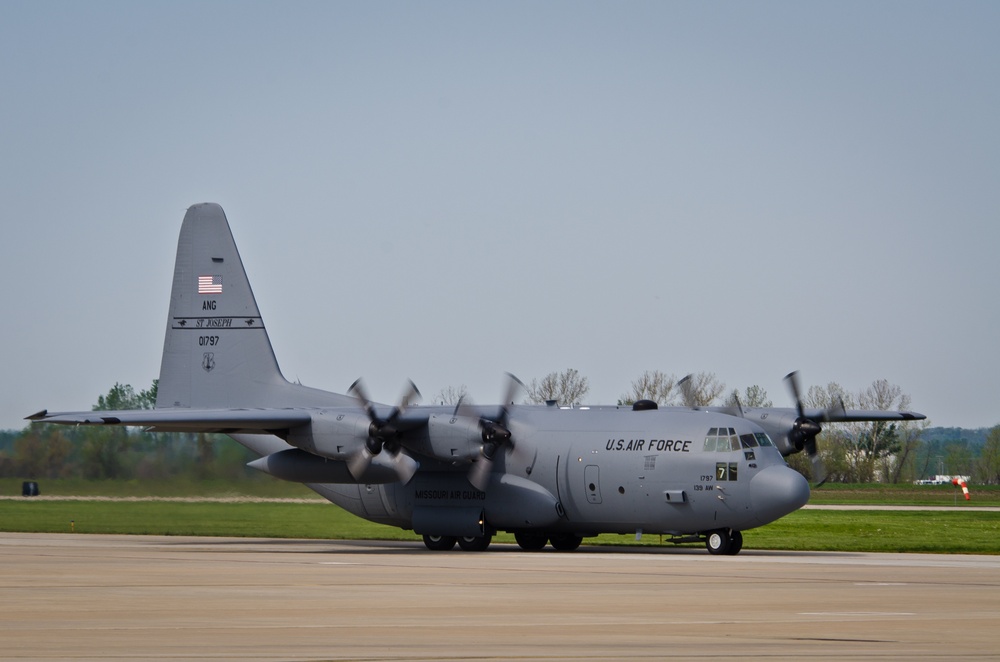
x: 185, y: 420
x: 859, y: 415
x: 835, y: 415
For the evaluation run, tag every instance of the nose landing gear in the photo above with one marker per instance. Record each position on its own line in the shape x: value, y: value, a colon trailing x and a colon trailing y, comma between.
x: 724, y: 541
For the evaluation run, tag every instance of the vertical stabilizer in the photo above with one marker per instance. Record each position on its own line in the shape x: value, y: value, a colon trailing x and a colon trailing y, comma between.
x: 216, y: 353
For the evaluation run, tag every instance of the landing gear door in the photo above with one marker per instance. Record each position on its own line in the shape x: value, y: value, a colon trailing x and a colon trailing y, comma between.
x: 592, y: 483
x: 371, y: 498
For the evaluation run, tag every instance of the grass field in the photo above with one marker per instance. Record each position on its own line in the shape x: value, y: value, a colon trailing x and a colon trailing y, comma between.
x: 958, y: 531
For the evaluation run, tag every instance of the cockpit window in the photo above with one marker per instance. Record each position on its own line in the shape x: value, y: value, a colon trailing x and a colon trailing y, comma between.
x: 722, y: 440
x: 763, y: 439
x: 748, y: 441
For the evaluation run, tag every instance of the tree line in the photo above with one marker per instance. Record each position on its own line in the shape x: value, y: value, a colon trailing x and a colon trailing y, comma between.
x: 44, y: 450
x: 891, y: 452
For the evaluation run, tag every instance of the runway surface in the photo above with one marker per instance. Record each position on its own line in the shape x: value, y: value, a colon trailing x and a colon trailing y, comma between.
x: 134, y: 597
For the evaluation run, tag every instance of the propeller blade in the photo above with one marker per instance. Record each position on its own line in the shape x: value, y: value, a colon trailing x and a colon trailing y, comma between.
x: 737, y: 409
x: 359, y: 391
x: 687, y: 391
x: 360, y: 462
x: 404, y: 466
x: 410, y: 395
x: 479, y: 474
x: 792, y: 379
x: 818, y: 468
x: 514, y: 385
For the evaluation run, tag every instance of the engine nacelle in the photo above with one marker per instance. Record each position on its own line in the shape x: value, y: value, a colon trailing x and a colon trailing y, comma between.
x: 299, y: 466
x: 778, y: 426
x: 337, y: 435
x: 453, y: 438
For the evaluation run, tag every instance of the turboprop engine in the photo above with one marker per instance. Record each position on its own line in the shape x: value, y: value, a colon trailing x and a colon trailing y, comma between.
x: 323, y: 449
x: 453, y: 438
x: 333, y: 435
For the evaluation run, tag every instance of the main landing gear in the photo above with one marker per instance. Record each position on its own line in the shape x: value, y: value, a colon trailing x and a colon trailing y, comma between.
x: 533, y: 541
x: 467, y: 543
x: 724, y: 541
x: 529, y: 541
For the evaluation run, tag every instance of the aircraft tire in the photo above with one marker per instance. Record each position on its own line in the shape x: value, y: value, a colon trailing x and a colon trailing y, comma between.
x: 565, y: 542
x: 718, y: 541
x: 531, y: 541
x: 474, y: 543
x: 440, y: 543
x: 735, y: 543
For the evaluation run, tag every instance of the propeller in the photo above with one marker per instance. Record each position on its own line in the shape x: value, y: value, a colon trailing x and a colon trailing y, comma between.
x: 495, y: 435
x: 383, y: 433
x: 687, y: 391
x: 735, y: 409
x: 804, y: 431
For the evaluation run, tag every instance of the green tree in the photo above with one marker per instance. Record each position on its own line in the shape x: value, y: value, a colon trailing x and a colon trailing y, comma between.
x: 29, y: 455
x: 959, y: 458
x: 861, y: 452
x: 752, y: 396
x: 123, y: 396
x: 988, y: 465
x: 106, y: 448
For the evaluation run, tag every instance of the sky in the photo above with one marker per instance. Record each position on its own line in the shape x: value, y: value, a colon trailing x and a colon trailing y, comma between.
x: 447, y: 191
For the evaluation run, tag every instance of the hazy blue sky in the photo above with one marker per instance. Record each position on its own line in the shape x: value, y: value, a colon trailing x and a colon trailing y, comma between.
x: 448, y: 191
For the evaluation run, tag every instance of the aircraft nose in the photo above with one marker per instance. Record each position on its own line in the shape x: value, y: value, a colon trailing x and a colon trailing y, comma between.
x: 776, y: 491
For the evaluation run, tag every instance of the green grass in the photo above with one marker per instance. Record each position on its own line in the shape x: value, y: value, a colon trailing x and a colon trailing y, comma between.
x: 904, y: 495
x: 881, y: 531
x: 845, y: 531
x: 277, y: 520
x: 256, y: 486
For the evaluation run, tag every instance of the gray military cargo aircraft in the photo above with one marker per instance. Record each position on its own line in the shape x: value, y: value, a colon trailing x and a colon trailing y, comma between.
x: 458, y: 474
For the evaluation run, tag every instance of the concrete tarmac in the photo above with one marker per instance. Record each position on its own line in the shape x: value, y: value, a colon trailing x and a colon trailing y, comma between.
x: 137, y: 597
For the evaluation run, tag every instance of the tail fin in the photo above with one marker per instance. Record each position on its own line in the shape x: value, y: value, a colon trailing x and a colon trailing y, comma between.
x: 216, y: 353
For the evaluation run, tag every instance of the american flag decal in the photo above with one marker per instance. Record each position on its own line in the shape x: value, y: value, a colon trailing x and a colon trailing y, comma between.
x: 209, y: 284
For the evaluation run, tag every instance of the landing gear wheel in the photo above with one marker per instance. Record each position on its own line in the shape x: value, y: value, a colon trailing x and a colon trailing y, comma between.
x: 440, y: 543
x: 718, y: 541
x: 565, y: 542
x: 474, y: 543
x: 531, y: 541
x: 735, y: 543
